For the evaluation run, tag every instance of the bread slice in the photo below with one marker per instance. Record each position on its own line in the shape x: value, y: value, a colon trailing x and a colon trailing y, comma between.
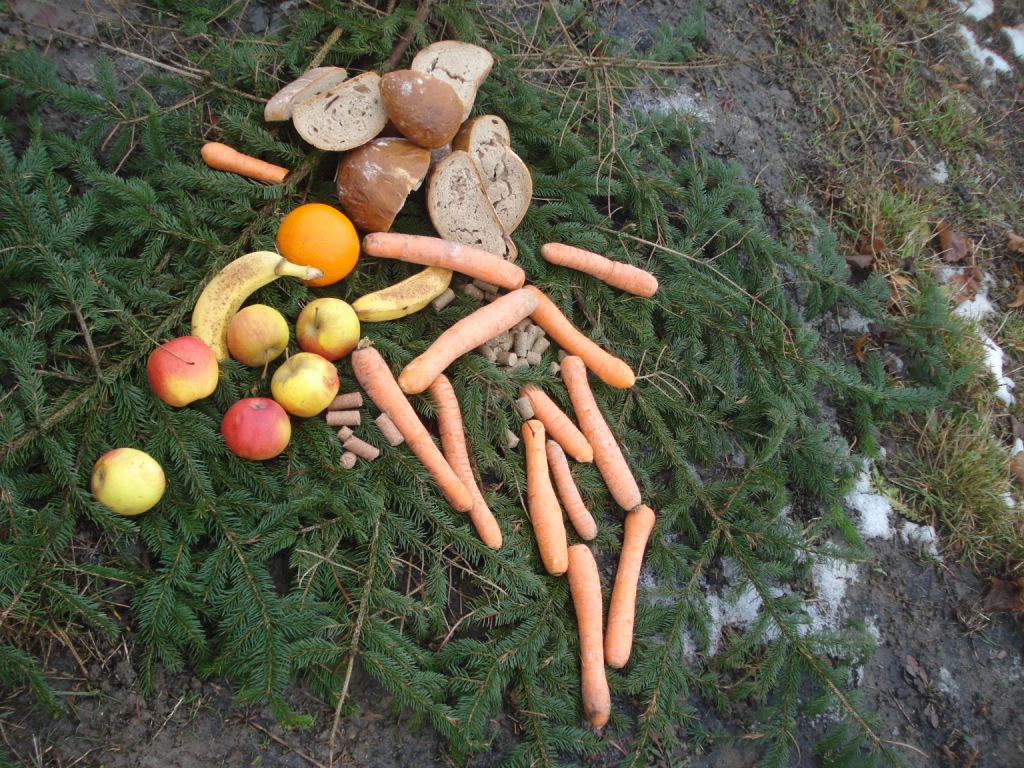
x: 506, y: 177
x: 375, y: 179
x: 463, y: 65
x: 460, y: 210
x: 343, y: 117
x: 306, y: 86
x: 425, y: 109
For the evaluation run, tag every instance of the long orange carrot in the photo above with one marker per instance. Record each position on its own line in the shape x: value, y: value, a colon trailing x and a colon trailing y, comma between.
x: 568, y: 493
x: 225, y: 158
x: 453, y: 445
x: 374, y: 376
x: 435, y: 252
x: 558, y: 425
x: 607, y: 454
x: 618, y: 637
x: 610, y: 369
x: 545, y: 512
x: 585, y: 586
x: 615, y: 273
x: 469, y: 333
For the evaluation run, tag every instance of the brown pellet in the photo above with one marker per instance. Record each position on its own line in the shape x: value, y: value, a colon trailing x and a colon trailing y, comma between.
x: 540, y: 345
x: 503, y: 357
x: 473, y: 292
x: 346, y: 402
x: 521, y: 343
x: 347, y: 460
x: 389, y: 430
x: 512, y: 437
x: 361, y: 448
x: 344, y: 418
x: 344, y: 433
x: 533, y: 358
x: 443, y: 300
x: 524, y: 408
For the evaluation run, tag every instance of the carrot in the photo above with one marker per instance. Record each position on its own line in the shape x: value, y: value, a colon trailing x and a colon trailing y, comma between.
x: 607, y: 454
x: 435, y: 252
x: 558, y: 425
x: 610, y: 369
x: 376, y: 379
x: 618, y: 638
x: 545, y: 513
x: 467, y: 334
x: 585, y: 586
x: 568, y: 493
x: 615, y: 273
x: 453, y: 445
x: 225, y: 158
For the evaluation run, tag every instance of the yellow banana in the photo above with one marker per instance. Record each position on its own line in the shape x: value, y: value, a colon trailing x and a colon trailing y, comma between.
x: 403, y: 298
x: 227, y: 291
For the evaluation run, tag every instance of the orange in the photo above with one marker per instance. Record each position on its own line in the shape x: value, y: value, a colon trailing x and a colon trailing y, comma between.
x: 317, y: 235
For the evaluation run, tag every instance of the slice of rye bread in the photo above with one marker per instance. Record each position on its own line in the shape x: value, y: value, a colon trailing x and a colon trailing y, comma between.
x: 374, y: 180
x: 463, y: 65
x: 343, y: 117
x: 506, y: 177
x: 460, y: 210
x: 309, y: 84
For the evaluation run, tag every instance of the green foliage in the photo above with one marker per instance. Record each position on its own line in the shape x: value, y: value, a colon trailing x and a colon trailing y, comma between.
x: 262, y: 572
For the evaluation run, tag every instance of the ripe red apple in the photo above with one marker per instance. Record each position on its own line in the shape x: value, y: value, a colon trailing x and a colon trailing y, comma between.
x: 329, y: 327
x: 305, y: 384
x: 257, y: 334
x: 127, y: 481
x: 182, y: 370
x: 256, y: 428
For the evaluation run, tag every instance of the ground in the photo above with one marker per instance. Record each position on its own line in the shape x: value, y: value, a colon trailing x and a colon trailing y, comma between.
x: 946, y: 675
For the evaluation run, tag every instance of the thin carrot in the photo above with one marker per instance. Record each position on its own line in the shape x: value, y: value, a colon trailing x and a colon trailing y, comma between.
x: 568, y: 493
x: 225, y: 158
x: 435, y: 252
x: 453, y: 445
x: 610, y: 369
x: 467, y: 334
x: 374, y: 376
x: 585, y: 586
x: 607, y: 454
x: 618, y: 638
x: 615, y: 273
x: 559, y: 426
x: 545, y: 512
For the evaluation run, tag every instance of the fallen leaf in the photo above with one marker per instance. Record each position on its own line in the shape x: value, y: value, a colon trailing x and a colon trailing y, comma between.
x: 896, y: 285
x: 860, y: 260
x: 869, y: 244
x: 1017, y: 466
x: 962, y: 87
x: 932, y: 714
x: 858, y: 347
x: 952, y: 245
x: 1015, y: 242
x: 1017, y: 427
x: 964, y: 285
x: 1018, y: 300
x: 1005, y: 596
x: 895, y: 127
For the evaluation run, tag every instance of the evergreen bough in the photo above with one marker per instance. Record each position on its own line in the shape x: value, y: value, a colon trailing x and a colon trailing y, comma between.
x: 109, y: 235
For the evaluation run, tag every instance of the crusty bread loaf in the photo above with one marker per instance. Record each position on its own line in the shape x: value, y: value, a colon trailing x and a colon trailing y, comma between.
x: 375, y: 179
x: 463, y: 65
x: 306, y: 86
x: 343, y: 117
x: 506, y: 177
x: 460, y: 210
x: 425, y: 109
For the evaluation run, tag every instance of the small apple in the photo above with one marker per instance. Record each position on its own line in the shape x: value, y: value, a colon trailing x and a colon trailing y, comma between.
x: 256, y: 428
x: 257, y: 334
x: 182, y: 370
x: 329, y: 327
x: 305, y: 384
x: 127, y: 481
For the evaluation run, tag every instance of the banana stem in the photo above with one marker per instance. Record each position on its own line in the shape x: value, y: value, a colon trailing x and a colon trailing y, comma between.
x: 286, y: 268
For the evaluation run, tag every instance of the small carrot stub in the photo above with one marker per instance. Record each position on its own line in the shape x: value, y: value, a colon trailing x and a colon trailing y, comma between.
x: 466, y: 335
x: 542, y: 503
x: 615, y: 273
x: 618, y: 639
x: 559, y: 426
x: 377, y: 381
x: 568, y: 493
x: 585, y: 586
x: 610, y: 369
x: 436, y: 252
x: 607, y: 454
x: 221, y: 157
x: 453, y: 445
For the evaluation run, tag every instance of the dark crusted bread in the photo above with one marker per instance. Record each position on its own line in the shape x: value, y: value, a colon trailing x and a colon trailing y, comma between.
x: 375, y: 179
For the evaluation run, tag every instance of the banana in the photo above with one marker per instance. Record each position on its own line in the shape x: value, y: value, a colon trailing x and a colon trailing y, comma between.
x: 227, y: 291
x: 403, y: 298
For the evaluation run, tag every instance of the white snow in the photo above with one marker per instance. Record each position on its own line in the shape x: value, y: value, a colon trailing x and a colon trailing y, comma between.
x: 677, y: 101
x: 831, y: 578
x: 984, y: 56
x: 1016, y: 35
x: 735, y: 611
x: 940, y: 173
x: 994, y: 360
x: 873, y: 509
x: 979, y: 9
x: 923, y: 537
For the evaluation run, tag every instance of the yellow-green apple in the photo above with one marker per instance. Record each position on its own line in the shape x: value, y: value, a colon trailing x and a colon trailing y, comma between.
x: 127, y: 481
x: 257, y: 334
x: 305, y: 384
x: 329, y: 327
x: 256, y: 428
x: 182, y: 370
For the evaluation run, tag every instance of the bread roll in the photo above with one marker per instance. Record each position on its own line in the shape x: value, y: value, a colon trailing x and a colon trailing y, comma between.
x: 343, y: 117
x: 425, y: 109
x: 374, y: 180
x: 464, y: 66
x: 306, y: 86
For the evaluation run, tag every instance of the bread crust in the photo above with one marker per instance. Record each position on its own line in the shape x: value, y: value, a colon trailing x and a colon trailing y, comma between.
x: 373, y: 181
x: 309, y: 84
x: 424, y: 109
x: 463, y: 65
x: 343, y: 117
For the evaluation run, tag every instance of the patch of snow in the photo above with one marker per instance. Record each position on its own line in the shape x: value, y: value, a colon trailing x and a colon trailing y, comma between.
x: 984, y: 56
x: 856, y: 322
x: 677, y: 101
x: 994, y: 360
x: 831, y: 579
x: 979, y: 9
x: 923, y: 537
x: 737, y: 611
x: 947, y: 684
x: 1016, y: 35
x: 872, y: 508
x: 940, y: 173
